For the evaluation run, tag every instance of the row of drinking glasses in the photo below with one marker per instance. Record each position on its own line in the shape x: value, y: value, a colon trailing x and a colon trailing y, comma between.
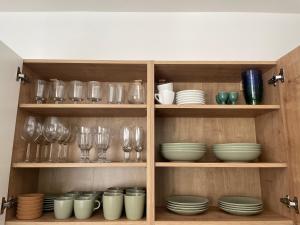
x: 132, y: 138
x: 52, y: 130
x: 56, y: 90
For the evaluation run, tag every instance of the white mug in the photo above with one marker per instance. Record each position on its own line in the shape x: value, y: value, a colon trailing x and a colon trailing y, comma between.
x: 165, y: 97
x: 165, y: 87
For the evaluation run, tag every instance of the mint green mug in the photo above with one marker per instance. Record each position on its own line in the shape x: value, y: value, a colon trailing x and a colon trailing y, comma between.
x: 84, y: 207
x: 63, y: 207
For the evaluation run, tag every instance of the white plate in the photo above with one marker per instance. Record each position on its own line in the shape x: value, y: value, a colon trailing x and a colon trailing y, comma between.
x: 190, y: 91
x: 192, y: 103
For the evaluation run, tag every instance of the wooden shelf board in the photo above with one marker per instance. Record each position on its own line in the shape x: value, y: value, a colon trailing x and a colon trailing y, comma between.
x: 97, y: 218
x: 79, y: 165
x: 221, y: 165
x: 207, y: 71
x: 214, y: 216
x: 85, y: 70
x: 194, y: 110
x: 90, y: 110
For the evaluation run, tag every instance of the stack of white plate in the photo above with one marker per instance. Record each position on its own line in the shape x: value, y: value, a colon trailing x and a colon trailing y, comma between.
x: 48, y: 205
x: 241, y: 205
x: 237, y: 152
x: 187, y: 204
x: 183, y: 151
x: 190, y: 97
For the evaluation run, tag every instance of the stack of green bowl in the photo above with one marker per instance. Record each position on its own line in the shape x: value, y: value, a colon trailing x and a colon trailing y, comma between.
x: 237, y: 152
x: 187, y: 204
x: 183, y: 151
x: 241, y: 205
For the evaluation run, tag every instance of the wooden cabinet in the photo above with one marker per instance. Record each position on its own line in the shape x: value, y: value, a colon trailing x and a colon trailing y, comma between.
x: 274, y: 124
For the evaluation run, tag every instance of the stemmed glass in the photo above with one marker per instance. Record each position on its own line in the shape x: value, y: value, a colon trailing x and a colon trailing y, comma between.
x: 57, y: 91
x: 76, y: 91
x: 38, y: 140
x: 64, y: 134
x: 41, y: 91
x: 85, y: 143
x: 138, y: 142
x: 102, y: 139
x: 94, y: 91
x: 29, y: 134
x: 126, y: 142
x: 52, y: 131
x: 66, y: 143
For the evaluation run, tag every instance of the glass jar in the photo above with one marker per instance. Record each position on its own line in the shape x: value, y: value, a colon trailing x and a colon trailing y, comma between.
x: 136, y: 94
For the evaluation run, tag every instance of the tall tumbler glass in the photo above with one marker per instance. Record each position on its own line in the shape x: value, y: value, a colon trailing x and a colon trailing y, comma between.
x: 252, y: 86
x: 94, y: 91
x: 41, y: 91
x: 57, y: 91
x: 76, y: 91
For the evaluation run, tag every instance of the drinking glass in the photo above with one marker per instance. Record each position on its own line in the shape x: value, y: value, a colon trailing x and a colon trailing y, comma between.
x: 126, y: 142
x: 57, y: 91
x: 38, y: 140
x: 64, y: 134
x: 41, y: 91
x: 138, y: 142
x: 52, y: 130
x: 85, y: 142
x: 67, y: 141
x: 115, y: 93
x: 136, y: 94
x: 94, y: 91
x: 28, y: 134
x: 102, y: 139
x: 76, y: 91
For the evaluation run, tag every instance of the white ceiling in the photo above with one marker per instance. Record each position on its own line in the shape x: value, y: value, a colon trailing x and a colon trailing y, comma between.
x: 272, y: 6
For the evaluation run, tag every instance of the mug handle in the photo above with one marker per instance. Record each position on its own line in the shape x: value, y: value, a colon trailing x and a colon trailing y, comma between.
x: 98, y: 205
x: 156, y: 96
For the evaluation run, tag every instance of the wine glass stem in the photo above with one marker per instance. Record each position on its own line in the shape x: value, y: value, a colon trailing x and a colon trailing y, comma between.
x: 138, y: 156
x: 45, y: 154
x: 100, y: 155
x: 126, y: 156
x: 65, y: 152
x: 50, y: 153
x: 37, y: 154
x: 27, y: 156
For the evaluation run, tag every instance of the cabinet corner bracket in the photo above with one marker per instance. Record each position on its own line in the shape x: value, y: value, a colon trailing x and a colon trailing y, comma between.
x: 290, y: 203
x: 277, y: 77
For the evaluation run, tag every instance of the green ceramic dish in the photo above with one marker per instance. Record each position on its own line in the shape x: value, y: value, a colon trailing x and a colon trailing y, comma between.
x: 187, y: 208
x: 237, y: 156
x: 238, y: 144
x: 184, y: 155
x: 187, y: 199
x: 242, y: 213
x: 240, y: 200
x: 187, y: 213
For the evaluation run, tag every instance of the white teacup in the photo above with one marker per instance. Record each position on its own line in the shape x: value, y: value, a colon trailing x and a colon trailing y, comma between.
x: 165, y: 87
x: 165, y: 97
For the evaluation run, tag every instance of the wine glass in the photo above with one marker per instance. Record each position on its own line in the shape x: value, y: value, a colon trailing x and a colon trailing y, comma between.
x: 41, y: 91
x: 67, y: 141
x: 126, y: 142
x: 28, y: 134
x: 38, y: 140
x: 102, y: 139
x: 52, y: 131
x: 136, y: 94
x: 94, y: 91
x: 76, y: 91
x: 85, y: 143
x: 64, y: 134
x: 57, y: 91
x: 138, y: 142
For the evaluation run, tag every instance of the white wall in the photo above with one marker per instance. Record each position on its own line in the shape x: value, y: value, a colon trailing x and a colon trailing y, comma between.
x: 180, y: 36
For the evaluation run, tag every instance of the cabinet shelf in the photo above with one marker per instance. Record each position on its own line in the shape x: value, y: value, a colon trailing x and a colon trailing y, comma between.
x: 89, y: 110
x: 79, y: 165
x: 97, y: 218
x: 221, y: 165
x: 213, y: 110
x: 214, y: 216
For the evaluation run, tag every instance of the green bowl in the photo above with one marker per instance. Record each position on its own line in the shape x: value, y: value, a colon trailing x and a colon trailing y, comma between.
x: 182, y: 155
x: 237, y: 156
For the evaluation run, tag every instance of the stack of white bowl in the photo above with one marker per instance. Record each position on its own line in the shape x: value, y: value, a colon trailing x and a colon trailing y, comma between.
x: 183, y: 151
x: 237, y: 152
x: 187, y: 205
x: 190, y: 97
x: 241, y: 205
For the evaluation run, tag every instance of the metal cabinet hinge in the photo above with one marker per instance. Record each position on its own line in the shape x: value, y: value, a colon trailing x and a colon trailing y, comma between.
x: 21, y: 76
x: 6, y: 204
x: 277, y: 77
x: 290, y: 203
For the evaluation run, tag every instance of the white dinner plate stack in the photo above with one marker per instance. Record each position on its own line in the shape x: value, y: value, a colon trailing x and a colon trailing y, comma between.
x: 190, y: 97
x: 187, y: 204
x: 241, y: 205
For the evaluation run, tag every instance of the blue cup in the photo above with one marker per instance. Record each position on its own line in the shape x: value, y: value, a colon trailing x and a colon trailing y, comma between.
x: 252, y: 86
